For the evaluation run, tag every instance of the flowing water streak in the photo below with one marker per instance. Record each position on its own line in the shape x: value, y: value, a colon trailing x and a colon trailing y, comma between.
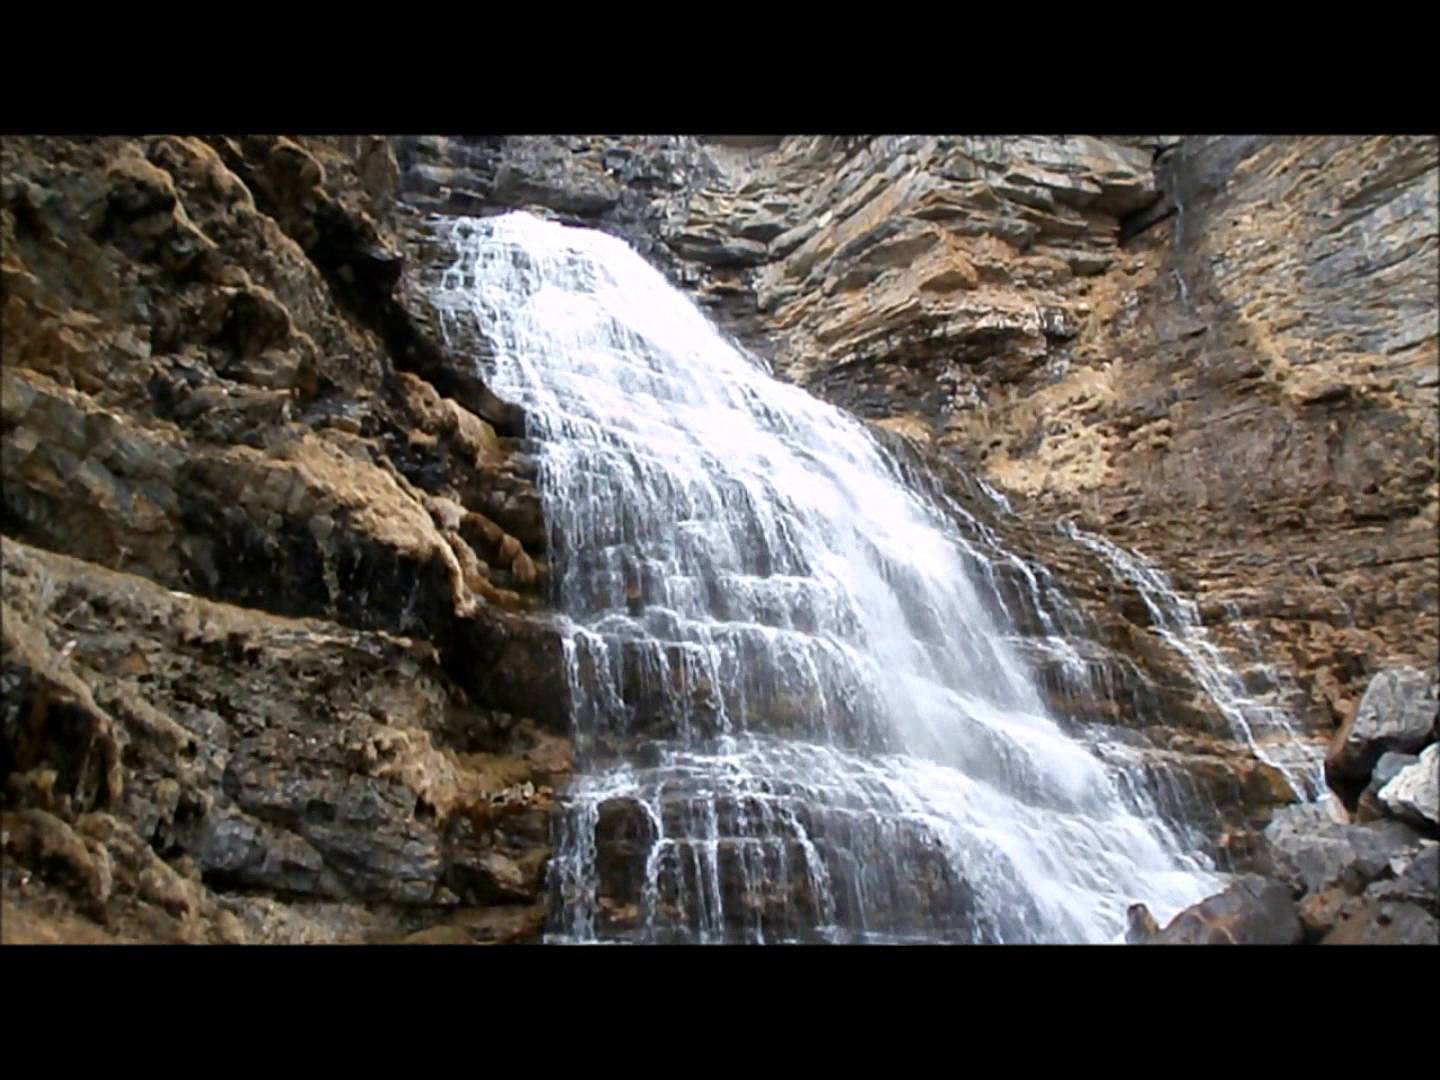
x: 796, y: 716
x: 1265, y: 728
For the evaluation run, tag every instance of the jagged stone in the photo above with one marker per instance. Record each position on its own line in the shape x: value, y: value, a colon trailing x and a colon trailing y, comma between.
x: 1414, y: 793
x: 1369, y: 807
x: 1397, y: 713
x: 201, y: 402
x: 1313, y: 851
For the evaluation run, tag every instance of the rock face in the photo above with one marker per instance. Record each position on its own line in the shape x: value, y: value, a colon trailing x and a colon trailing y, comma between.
x: 271, y: 668
x: 1171, y: 341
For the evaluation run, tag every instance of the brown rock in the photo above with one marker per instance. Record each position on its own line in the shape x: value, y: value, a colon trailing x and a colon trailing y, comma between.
x: 1320, y: 912
x: 1252, y: 911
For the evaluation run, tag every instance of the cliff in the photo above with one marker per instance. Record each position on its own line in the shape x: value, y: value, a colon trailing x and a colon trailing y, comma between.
x: 276, y: 660
x: 270, y: 560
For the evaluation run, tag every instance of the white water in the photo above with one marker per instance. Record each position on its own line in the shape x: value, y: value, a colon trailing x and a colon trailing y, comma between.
x: 1262, y: 726
x: 796, y: 717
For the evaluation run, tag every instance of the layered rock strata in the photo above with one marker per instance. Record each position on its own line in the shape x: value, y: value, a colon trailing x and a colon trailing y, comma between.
x: 272, y: 664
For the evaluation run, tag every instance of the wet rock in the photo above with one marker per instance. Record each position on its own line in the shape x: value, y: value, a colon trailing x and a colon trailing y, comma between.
x: 1140, y: 925
x: 170, y: 303
x: 1252, y: 911
x: 914, y: 284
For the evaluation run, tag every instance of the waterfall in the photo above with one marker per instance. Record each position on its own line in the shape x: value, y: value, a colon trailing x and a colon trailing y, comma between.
x: 798, y: 707
x: 1264, y: 727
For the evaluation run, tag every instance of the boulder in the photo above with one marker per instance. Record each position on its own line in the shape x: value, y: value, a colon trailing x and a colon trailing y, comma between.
x: 1390, y: 766
x: 1385, y: 924
x: 1386, y: 769
x: 1312, y: 851
x: 1253, y: 911
x: 1414, y: 793
x: 1397, y: 713
x: 1418, y: 882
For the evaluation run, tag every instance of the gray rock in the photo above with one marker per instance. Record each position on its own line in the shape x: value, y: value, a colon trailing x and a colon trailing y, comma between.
x: 1252, y: 911
x: 1388, y: 767
x: 718, y: 251
x: 1312, y: 851
x: 1369, y: 807
x: 1397, y: 713
x: 571, y: 190
x: 1385, y: 924
x: 1418, y: 882
x: 762, y: 228
x: 1414, y: 793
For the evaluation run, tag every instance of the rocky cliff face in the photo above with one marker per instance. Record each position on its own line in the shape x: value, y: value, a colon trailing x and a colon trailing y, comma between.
x: 274, y: 638
x: 1218, y: 351
x: 270, y: 668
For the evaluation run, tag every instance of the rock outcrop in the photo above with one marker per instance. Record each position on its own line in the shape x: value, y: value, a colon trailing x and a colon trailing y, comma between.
x: 273, y: 668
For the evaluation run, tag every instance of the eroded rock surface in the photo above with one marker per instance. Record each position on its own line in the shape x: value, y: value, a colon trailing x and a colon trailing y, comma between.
x: 273, y: 668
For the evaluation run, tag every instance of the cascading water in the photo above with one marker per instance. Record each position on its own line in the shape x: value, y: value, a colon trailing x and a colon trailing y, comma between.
x: 796, y: 711
x: 1264, y: 727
